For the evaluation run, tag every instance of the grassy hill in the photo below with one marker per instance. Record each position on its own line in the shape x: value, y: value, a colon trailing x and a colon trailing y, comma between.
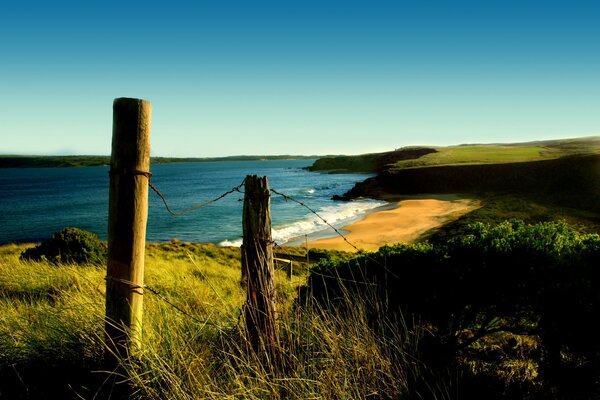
x: 477, y: 322
x: 467, y: 154
x: 193, y: 346
x: 570, y: 181
x: 374, y: 162
x: 562, y: 172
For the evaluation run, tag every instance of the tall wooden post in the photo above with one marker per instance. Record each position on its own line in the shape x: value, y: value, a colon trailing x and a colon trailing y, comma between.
x: 306, y: 247
x: 290, y: 271
x: 257, y: 256
x: 127, y: 215
x: 244, y: 280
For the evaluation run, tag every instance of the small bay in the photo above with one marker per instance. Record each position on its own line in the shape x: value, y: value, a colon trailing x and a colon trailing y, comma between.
x: 36, y: 202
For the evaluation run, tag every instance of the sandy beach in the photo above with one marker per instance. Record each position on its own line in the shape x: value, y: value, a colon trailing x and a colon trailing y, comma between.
x: 411, y: 218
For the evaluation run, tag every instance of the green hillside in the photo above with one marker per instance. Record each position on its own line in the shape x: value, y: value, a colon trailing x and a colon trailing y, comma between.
x: 468, y: 154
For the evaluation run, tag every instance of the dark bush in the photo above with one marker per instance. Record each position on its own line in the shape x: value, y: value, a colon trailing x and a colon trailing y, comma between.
x: 512, y: 280
x: 71, y: 245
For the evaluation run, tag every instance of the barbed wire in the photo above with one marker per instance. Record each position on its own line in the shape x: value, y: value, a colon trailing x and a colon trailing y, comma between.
x: 163, y: 298
x: 337, y: 231
x: 287, y: 198
x: 206, y: 322
x: 177, y: 214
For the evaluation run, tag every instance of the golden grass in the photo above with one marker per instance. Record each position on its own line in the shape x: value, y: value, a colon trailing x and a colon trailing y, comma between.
x: 480, y: 154
x: 52, y: 340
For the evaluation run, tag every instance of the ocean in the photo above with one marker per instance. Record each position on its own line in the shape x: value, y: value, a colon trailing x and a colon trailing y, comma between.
x: 36, y: 202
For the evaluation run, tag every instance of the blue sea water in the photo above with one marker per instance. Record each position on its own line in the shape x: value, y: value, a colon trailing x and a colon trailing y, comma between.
x: 36, y: 202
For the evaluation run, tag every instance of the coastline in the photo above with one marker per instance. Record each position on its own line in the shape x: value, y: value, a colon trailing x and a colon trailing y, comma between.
x: 405, y: 221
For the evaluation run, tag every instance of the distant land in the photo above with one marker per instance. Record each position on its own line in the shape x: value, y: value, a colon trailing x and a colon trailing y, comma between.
x: 464, y: 154
x: 534, y: 181
x: 401, y: 158
x: 18, y: 161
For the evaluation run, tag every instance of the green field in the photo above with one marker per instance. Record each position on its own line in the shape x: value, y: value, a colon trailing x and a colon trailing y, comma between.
x: 480, y: 154
x: 503, y: 153
x: 471, y: 154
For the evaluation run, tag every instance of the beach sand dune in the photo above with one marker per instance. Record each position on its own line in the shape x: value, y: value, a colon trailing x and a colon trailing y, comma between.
x: 413, y: 217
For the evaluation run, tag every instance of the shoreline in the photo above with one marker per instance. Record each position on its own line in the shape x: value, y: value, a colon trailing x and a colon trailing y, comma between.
x: 406, y: 220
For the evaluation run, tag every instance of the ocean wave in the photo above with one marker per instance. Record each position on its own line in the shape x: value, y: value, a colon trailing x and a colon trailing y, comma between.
x: 231, y: 243
x: 338, y: 215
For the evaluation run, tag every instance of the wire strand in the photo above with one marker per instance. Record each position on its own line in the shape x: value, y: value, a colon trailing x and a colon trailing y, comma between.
x: 160, y: 296
x: 337, y: 231
x: 177, y: 214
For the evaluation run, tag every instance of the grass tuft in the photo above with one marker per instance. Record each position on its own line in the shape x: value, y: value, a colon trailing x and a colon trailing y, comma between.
x: 52, y: 336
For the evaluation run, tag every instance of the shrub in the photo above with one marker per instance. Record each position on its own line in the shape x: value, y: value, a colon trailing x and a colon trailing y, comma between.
x: 539, y: 283
x: 71, y: 245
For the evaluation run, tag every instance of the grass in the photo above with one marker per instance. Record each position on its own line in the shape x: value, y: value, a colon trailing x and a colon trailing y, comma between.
x: 473, y: 154
x: 469, y: 154
x: 52, y: 340
x: 497, y: 208
x: 479, y: 154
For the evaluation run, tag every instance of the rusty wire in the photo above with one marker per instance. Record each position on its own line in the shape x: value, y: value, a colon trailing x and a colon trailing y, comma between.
x: 337, y: 231
x: 177, y: 214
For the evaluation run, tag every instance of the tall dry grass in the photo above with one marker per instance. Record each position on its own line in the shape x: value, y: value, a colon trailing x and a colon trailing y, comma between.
x: 52, y: 340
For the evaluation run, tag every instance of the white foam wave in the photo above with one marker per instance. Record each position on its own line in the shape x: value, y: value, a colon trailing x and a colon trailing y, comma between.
x: 231, y: 243
x: 338, y: 215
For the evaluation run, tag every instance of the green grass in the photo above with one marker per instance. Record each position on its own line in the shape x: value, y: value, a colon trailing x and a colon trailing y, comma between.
x: 52, y: 336
x: 468, y: 154
x: 480, y: 154
x: 502, y: 153
x: 498, y: 208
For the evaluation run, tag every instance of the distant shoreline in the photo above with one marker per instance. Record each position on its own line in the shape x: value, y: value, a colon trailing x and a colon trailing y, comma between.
x: 33, y: 161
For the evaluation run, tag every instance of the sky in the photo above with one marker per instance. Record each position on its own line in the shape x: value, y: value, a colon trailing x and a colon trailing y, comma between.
x: 306, y: 77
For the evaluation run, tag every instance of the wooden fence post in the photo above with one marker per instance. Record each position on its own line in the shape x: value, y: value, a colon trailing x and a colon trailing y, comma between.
x: 244, y: 280
x: 257, y: 256
x: 127, y: 215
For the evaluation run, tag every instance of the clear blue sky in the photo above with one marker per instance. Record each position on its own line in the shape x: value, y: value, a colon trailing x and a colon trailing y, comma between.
x: 298, y: 77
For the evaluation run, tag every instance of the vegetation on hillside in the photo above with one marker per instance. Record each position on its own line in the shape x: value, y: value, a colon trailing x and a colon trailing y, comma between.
x: 501, y: 207
x: 497, y: 312
x: 469, y: 154
x: 568, y: 181
x: 487, y: 308
x: 479, y: 154
x: 71, y: 245
x: 10, y: 161
x: 508, y: 309
x: 367, y: 163
x: 14, y: 161
x: 52, y: 340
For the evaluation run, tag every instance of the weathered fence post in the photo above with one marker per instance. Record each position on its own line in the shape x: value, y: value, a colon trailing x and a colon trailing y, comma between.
x: 257, y: 256
x: 244, y: 279
x: 307, y: 252
x: 127, y: 215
